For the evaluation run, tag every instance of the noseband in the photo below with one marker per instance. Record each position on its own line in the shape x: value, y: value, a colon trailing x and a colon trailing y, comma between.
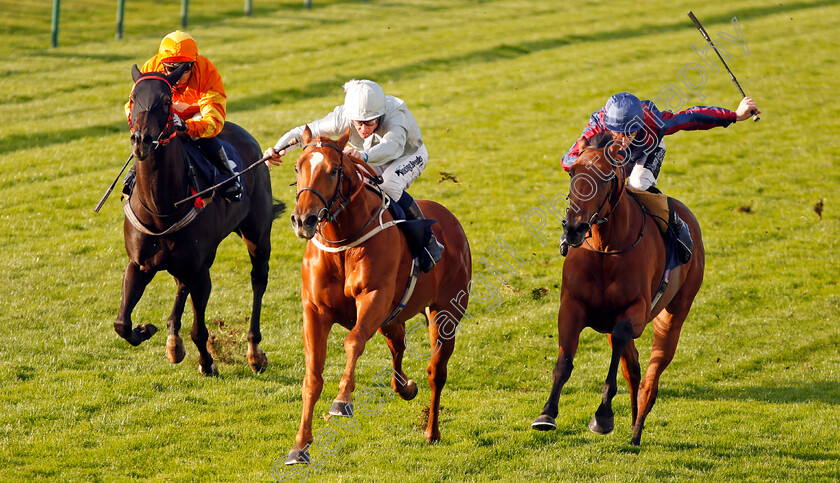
x: 160, y: 141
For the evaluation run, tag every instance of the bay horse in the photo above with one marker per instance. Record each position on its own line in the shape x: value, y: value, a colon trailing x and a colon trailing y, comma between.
x: 355, y: 272
x: 183, y: 241
x: 611, y: 279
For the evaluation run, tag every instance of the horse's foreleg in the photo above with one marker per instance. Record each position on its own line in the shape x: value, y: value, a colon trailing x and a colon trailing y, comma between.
x: 633, y: 375
x: 259, y: 281
x: 134, y: 284
x: 442, y: 329
x: 667, y: 329
x: 603, y: 420
x: 400, y: 383
x: 174, y: 343
x: 199, y: 288
x: 354, y: 346
x: 569, y: 324
x: 315, y: 333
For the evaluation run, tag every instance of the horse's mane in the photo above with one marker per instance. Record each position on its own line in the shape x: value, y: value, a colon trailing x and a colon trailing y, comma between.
x: 600, y: 140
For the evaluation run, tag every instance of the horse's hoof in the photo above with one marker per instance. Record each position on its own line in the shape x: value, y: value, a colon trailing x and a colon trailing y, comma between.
x: 410, y: 391
x: 432, y: 437
x: 341, y: 408
x: 601, y: 425
x: 296, y: 457
x: 175, y: 349
x: 213, y: 371
x: 142, y: 333
x: 258, y: 361
x: 544, y: 423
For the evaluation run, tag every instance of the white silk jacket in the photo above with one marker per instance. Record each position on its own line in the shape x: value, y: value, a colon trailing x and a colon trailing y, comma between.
x: 397, y: 135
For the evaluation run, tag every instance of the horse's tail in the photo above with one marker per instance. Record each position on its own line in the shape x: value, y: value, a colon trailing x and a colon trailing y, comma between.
x: 277, y: 208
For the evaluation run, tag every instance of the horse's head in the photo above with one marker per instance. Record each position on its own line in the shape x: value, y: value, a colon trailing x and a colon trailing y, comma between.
x: 150, y: 117
x: 596, y: 186
x: 321, y: 172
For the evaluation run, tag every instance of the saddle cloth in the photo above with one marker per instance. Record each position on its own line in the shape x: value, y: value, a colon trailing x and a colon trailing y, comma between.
x: 203, y: 174
x: 417, y: 233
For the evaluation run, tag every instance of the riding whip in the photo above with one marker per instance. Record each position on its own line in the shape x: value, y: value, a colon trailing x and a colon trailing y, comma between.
x: 111, y: 188
x: 731, y: 75
x: 249, y: 168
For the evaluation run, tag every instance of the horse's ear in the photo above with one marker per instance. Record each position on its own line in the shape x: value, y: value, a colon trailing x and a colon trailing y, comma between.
x: 307, y: 135
x: 342, y: 141
x: 581, y: 144
x: 614, y: 152
x: 176, y: 74
x: 135, y: 72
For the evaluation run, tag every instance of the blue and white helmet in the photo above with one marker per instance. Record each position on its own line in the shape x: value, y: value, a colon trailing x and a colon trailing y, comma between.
x: 623, y: 113
x: 364, y: 100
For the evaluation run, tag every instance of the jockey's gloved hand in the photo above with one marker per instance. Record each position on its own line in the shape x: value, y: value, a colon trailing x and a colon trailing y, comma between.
x: 178, y: 123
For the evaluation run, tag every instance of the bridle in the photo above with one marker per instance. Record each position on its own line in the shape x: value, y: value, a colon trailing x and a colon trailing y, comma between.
x: 326, y: 214
x: 329, y: 212
x: 616, y: 192
x: 160, y: 141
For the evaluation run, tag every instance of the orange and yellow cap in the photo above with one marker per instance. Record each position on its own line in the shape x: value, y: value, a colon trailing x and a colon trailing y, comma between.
x: 178, y: 47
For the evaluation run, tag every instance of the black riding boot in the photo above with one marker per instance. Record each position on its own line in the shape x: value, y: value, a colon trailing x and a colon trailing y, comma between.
x: 128, y: 182
x: 683, y: 236
x: 412, y: 212
x: 214, y: 151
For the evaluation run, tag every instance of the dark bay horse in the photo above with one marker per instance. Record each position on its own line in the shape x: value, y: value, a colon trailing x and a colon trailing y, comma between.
x: 356, y: 278
x: 183, y: 241
x: 610, y: 280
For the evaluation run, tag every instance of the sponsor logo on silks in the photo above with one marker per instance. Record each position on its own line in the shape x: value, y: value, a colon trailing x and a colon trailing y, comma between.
x: 409, y: 166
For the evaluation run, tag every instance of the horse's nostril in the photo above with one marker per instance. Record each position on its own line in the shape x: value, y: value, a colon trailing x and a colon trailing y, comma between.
x: 310, y: 221
x: 294, y: 221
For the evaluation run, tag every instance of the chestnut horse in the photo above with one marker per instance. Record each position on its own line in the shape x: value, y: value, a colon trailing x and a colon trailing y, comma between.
x: 355, y: 273
x: 610, y: 280
x: 183, y: 241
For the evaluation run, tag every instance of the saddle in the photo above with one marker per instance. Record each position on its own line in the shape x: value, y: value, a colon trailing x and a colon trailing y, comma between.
x: 202, y: 172
x: 677, y: 236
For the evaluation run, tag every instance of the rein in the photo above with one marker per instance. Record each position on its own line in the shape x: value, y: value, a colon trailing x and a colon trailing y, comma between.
x: 594, y: 220
x: 160, y: 141
x: 327, y: 215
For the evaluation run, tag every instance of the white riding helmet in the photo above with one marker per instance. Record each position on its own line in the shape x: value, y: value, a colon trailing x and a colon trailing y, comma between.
x: 365, y: 100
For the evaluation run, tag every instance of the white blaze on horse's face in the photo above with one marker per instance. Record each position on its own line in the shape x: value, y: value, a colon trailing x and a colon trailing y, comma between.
x: 314, y: 161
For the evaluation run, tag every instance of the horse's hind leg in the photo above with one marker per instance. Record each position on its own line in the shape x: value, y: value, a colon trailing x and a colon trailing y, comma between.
x: 667, y: 329
x: 442, y: 329
x: 134, y: 284
x: 174, y: 344
x: 259, y: 252
x: 633, y: 375
x: 199, y: 288
x: 603, y: 420
x: 400, y: 383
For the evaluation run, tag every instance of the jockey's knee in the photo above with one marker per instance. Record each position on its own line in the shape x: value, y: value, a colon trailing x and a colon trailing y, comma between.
x: 393, y: 188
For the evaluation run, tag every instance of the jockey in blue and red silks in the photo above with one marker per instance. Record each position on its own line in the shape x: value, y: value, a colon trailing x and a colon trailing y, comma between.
x: 642, y: 127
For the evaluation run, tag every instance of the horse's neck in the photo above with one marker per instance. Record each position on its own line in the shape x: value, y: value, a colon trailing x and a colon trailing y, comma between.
x: 621, y: 228
x: 161, y: 179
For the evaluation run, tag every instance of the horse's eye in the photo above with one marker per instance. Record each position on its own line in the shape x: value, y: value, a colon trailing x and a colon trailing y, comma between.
x: 334, y: 171
x: 296, y: 168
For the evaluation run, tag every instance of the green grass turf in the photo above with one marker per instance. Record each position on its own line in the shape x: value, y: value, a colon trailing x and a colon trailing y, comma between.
x: 501, y: 89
